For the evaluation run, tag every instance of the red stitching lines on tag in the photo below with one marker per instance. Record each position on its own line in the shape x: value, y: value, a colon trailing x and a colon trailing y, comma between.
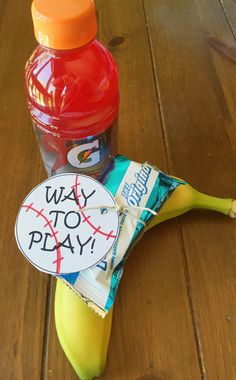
x: 53, y: 234
x: 87, y: 218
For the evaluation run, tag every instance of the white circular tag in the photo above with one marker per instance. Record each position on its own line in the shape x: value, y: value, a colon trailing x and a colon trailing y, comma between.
x: 62, y: 227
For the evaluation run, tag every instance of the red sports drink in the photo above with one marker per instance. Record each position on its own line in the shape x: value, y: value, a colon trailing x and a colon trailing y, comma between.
x: 72, y: 88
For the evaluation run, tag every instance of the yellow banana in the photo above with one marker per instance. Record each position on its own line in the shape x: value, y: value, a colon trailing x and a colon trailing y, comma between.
x: 186, y: 198
x: 84, y: 335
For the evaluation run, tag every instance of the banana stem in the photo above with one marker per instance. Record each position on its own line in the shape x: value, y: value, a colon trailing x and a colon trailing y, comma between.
x: 223, y: 205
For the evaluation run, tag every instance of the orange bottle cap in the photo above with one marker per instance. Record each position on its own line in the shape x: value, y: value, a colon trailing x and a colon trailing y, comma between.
x: 64, y: 24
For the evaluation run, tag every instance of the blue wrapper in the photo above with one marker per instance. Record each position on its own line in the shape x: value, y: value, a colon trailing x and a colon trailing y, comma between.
x: 135, y: 186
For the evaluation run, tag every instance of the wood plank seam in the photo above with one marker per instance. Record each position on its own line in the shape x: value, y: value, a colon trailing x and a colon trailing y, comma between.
x: 191, y: 302
x: 227, y: 18
x: 47, y: 317
x: 180, y: 232
x: 157, y: 90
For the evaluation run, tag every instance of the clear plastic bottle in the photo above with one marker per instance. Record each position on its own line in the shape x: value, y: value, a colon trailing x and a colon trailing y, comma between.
x: 72, y: 88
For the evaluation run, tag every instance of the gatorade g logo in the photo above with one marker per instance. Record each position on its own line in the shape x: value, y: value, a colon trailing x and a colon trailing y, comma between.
x: 84, y: 156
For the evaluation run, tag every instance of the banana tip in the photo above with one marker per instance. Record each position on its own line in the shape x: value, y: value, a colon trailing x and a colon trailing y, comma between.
x: 232, y: 212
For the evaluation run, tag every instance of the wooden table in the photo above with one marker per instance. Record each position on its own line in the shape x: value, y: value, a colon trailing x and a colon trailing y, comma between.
x: 175, y: 314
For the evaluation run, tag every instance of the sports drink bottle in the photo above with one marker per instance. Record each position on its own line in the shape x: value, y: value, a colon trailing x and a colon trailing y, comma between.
x: 72, y: 88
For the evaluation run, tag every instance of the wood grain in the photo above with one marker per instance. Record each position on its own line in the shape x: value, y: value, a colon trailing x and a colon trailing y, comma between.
x: 23, y: 289
x: 200, y: 130
x: 229, y: 9
x: 175, y: 311
x: 152, y: 336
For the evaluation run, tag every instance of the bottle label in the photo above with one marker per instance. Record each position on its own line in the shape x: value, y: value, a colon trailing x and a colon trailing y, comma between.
x: 86, y: 156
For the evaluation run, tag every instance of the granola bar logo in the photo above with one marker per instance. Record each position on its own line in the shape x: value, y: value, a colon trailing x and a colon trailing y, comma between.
x: 135, y: 191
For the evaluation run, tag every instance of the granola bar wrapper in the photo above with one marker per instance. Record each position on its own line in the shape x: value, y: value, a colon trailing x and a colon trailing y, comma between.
x: 138, y: 189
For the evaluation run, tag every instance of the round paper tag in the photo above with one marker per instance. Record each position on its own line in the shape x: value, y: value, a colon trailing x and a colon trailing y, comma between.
x: 62, y: 226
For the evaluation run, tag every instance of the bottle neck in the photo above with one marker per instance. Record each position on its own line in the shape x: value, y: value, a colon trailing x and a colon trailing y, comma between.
x: 59, y: 53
